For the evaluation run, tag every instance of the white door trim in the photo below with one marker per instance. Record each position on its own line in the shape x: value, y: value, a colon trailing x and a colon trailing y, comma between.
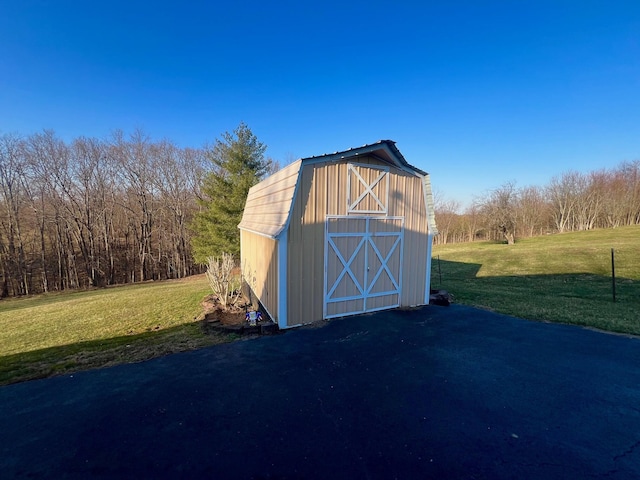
x: 352, y: 205
x: 367, y: 238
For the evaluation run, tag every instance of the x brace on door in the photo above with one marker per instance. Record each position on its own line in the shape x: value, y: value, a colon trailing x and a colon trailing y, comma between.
x: 346, y: 265
x: 352, y: 206
x: 384, y: 266
x: 353, y: 260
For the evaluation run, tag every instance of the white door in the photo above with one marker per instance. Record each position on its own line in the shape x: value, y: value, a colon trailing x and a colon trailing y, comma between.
x: 363, y: 264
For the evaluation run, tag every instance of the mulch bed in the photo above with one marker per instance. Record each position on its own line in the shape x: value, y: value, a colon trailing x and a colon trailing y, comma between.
x: 440, y: 297
x: 215, y: 318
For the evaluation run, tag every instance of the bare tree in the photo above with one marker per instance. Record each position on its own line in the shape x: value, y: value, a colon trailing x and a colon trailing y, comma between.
x: 177, y: 176
x: 630, y: 171
x: 85, y: 201
x: 563, y: 196
x: 471, y: 223
x: 137, y: 173
x: 448, y: 219
x: 532, y: 212
x: 49, y: 160
x: 591, y: 192
x: 93, y: 212
x: 614, y: 205
x: 500, y: 211
x: 12, y: 244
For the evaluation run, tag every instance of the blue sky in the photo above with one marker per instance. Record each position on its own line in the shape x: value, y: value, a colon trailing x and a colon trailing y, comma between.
x: 477, y: 93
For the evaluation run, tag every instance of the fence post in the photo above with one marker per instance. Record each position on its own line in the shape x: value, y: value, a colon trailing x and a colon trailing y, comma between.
x: 613, y: 274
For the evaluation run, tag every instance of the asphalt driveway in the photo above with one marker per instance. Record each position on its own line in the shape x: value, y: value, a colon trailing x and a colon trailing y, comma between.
x: 430, y: 393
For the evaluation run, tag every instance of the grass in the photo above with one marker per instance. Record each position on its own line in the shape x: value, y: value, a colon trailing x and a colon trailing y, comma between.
x: 66, y: 332
x: 559, y: 278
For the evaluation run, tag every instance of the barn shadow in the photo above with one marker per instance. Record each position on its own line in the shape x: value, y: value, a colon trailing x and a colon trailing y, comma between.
x: 445, y: 269
x: 575, y: 298
x: 445, y: 273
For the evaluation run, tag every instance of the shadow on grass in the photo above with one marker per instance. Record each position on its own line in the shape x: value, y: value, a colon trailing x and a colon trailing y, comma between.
x: 88, y: 355
x: 575, y: 298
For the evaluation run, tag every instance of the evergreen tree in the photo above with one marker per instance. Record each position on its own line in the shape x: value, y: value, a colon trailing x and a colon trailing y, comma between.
x: 238, y: 163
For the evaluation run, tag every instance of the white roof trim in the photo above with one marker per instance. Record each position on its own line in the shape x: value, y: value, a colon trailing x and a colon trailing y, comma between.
x: 429, y: 205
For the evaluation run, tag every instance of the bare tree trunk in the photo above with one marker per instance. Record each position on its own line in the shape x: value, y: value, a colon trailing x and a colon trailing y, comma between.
x: 12, y: 194
x: 43, y: 254
x: 137, y: 173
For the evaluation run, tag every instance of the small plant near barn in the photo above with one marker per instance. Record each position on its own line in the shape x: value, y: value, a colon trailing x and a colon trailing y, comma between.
x: 227, y: 309
x: 224, y: 280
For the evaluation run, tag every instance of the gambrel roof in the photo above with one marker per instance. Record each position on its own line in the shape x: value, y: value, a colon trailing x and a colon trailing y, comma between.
x: 269, y: 203
x: 384, y: 149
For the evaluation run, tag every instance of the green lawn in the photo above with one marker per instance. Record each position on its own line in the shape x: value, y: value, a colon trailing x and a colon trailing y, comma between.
x: 64, y: 332
x: 560, y: 278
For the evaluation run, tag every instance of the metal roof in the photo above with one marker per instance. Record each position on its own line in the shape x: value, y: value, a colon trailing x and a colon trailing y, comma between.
x: 385, y: 149
x: 269, y: 203
x: 266, y: 211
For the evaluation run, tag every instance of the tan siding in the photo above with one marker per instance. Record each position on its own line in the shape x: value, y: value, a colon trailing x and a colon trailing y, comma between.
x: 334, y: 309
x: 323, y: 191
x: 415, y: 248
x: 306, y: 244
x: 259, y: 260
x: 406, y: 200
x: 377, y: 303
x: 299, y: 253
x: 301, y: 196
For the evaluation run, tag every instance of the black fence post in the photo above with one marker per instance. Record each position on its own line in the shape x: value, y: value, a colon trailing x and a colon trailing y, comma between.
x: 613, y: 274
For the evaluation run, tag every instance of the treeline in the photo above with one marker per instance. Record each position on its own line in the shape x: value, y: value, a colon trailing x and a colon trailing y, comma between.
x: 94, y: 212
x: 98, y: 212
x: 570, y: 202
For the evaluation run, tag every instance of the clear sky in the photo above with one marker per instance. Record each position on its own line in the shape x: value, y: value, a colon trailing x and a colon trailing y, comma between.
x: 477, y: 93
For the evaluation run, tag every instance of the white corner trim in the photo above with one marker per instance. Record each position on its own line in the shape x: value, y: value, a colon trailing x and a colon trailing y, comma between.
x: 282, y: 280
x: 427, y: 287
x: 429, y: 205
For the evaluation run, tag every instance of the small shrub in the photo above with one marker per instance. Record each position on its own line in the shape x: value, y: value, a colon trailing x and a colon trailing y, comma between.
x: 225, y: 284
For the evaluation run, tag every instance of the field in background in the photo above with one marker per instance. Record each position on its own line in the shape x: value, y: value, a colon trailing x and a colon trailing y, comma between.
x: 560, y: 278
x: 64, y: 332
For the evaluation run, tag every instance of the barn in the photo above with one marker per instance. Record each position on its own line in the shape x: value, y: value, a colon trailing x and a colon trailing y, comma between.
x: 339, y: 234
